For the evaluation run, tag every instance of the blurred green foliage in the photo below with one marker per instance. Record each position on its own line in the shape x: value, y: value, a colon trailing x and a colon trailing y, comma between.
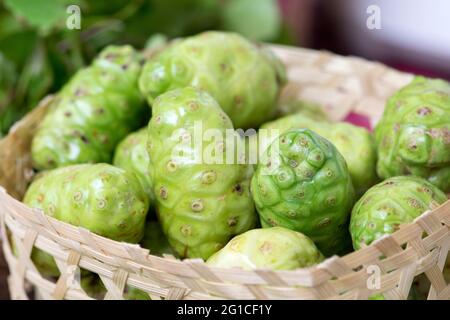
x: 38, y: 52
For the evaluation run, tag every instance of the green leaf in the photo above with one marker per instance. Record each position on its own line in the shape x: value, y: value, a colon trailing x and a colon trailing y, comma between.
x: 41, y: 14
x: 35, y: 79
x: 17, y: 46
x: 175, y: 18
x: 256, y: 19
x: 32, y: 85
x: 8, y: 77
x: 8, y: 24
x: 8, y: 73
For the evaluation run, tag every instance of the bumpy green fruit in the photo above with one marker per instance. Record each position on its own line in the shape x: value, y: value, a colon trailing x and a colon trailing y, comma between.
x: 304, y: 185
x: 131, y: 154
x: 243, y: 78
x: 155, y: 240
x: 357, y: 146
x: 99, y: 106
x: 273, y: 248
x: 413, y: 136
x: 201, y: 202
x: 387, y: 205
x: 99, y: 197
x: 354, y: 143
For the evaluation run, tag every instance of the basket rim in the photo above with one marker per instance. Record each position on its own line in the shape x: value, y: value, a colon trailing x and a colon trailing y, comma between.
x: 138, y: 258
x: 441, y: 212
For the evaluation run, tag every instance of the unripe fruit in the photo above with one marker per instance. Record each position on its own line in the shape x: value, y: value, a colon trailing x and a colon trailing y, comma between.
x: 243, y: 78
x: 272, y: 248
x: 97, y: 108
x: 200, y: 204
x: 387, y: 205
x: 305, y: 186
x: 413, y: 136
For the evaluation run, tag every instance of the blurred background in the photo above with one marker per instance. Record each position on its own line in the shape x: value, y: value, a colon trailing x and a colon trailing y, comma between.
x: 38, y: 53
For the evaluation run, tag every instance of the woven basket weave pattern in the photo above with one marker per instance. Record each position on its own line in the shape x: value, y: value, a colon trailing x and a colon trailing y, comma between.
x: 340, y: 84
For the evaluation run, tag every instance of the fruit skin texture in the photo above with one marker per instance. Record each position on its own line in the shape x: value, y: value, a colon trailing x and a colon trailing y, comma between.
x: 155, y: 240
x: 98, y: 107
x: 99, y: 197
x: 243, y: 78
x: 200, y: 204
x: 389, y: 204
x: 413, y: 136
x: 131, y: 154
x: 273, y: 248
x: 356, y: 145
x: 305, y: 186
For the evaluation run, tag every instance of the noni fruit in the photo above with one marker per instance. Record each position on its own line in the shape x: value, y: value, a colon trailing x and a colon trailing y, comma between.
x: 243, y: 78
x: 273, y: 248
x: 104, y: 199
x: 413, y: 135
x: 98, y: 107
x: 387, y: 205
x: 356, y: 145
x: 131, y: 154
x: 304, y: 185
x: 202, y: 200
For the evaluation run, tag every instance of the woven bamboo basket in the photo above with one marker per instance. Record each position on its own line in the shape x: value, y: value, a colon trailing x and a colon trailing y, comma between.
x: 342, y: 85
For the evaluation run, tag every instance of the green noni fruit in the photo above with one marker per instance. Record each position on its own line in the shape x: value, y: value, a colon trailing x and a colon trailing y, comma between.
x: 104, y: 199
x: 304, y: 185
x: 202, y: 200
x: 243, y: 78
x: 387, y: 205
x: 355, y: 143
x: 131, y: 154
x: 273, y: 248
x: 98, y: 107
x: 413, y: 136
